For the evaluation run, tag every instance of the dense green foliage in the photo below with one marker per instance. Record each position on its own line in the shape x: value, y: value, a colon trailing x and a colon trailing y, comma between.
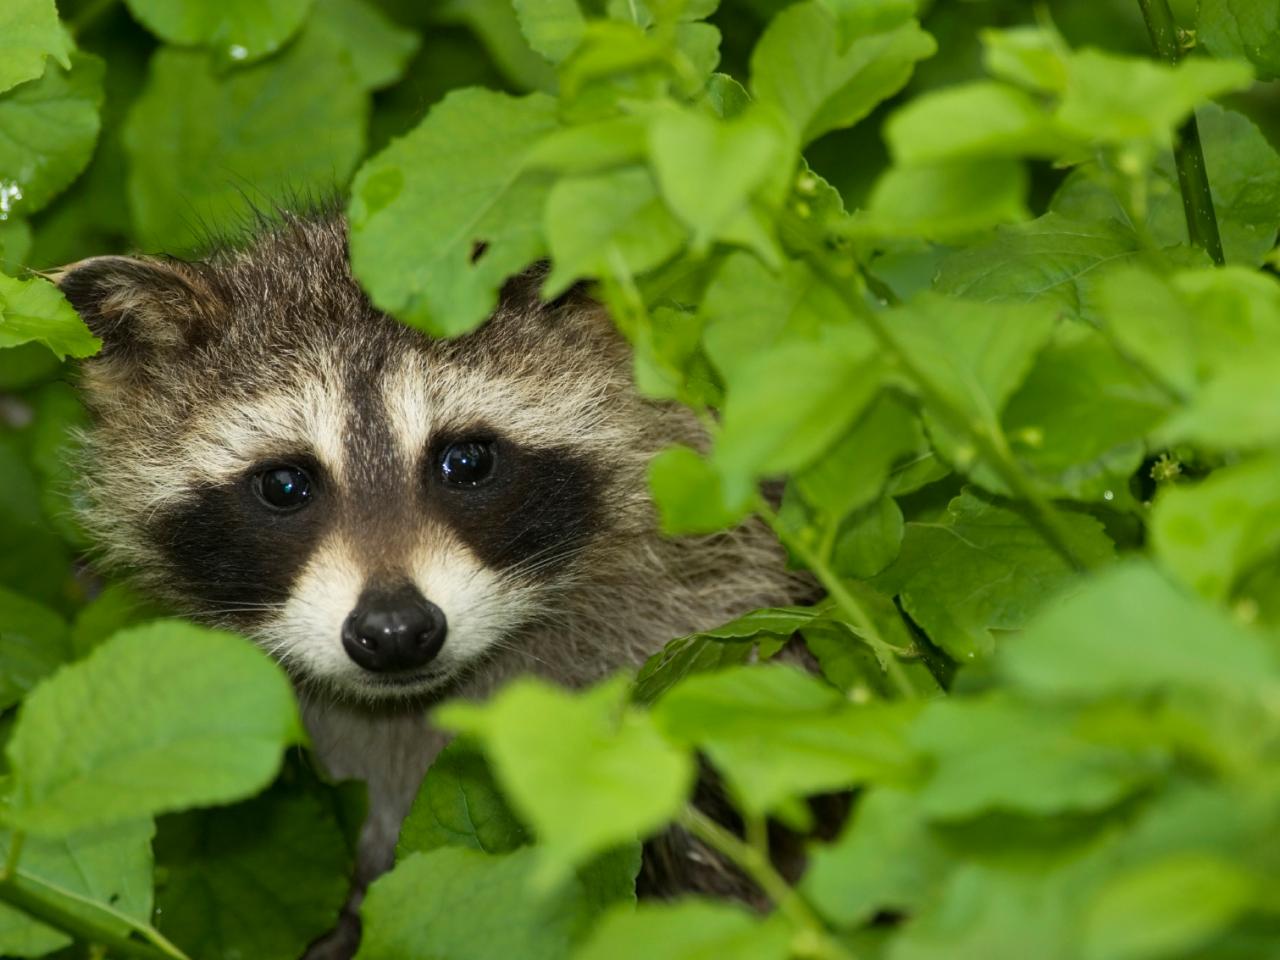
x: 928, y: 262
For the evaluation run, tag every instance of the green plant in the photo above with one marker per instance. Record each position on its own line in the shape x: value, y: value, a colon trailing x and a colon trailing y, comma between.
x: 1024, y: 398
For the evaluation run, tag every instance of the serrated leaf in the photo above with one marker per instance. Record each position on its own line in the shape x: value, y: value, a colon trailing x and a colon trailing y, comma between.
x: 48, y: 128
x: 237, y: 31
x: 435, y: 905
x: 982, y: 567
x: 584, y: 770
x: 1242, y: 28
x: 610, y: 223
x: 30, y: 33
x: 1130, y: 630
x: 420, y: 207
x: 196, y: 136
x: 833, y: 84
x: 165, y: 737
x: 687, y: 930
x: 109, y: 868
x: 1209, y: 533
x: 460, y: 805
x: 261, y: 879
x: 35, y: 310
x: 33, y: 643
x: 776, y: 734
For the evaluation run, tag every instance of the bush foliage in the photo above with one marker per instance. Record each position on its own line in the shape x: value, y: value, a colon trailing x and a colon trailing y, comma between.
x: 951, y: 269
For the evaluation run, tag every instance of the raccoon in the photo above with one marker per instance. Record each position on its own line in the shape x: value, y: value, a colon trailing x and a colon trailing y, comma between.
x: 395, y: 518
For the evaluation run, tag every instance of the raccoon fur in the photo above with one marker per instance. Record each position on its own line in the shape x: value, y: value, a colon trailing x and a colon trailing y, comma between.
x: 395, y: 518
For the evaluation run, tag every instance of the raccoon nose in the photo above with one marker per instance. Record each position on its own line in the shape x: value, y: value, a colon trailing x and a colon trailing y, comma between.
x: 396, y: 630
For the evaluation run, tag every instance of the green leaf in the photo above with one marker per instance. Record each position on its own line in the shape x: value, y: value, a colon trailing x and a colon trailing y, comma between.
x: 1165, y: 908
x: 196, y: 135
x: 998, y: 754
x: 886, y: 858
x: 690, y: 495
x: 709, y: 171
x: 1032, y: 57
x: 48, y: 128
x: 460, y: 904
x: 686, y: 930
x: 30, y: 32
x: 1129, y: 630
x: 1239, y: 410
x: 749, y: 309
x: 420, y: 207
x: 869, y: 539
x: 1114, y: 99
x: 33, y: 559
x: 777, y: 733
x: 115, y: 608
x: 684, y: 657
x: 981, y: 568
x: 608, y: 224
x: 379, y: 49
x: 460, y: 805
x: 164, y: 737
x: 238, y: 31
x: 832, y: 84
x: 774, y: 423
x: 261, y: 879
x: 1080, y: 418
x: 35, y: 310
x: 553, y: 27
x: 1209, y: 533
x: 1045, y: 260
x: 584, y: 770
x: 974, y: 356
x: 950, y: 198
x: 973, y: 121
x: 110, y: 867
x: 1242, y: 28
x: 33, y: 643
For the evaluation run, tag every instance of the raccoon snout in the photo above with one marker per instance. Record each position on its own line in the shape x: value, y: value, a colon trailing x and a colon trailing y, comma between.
x: 394, y: 630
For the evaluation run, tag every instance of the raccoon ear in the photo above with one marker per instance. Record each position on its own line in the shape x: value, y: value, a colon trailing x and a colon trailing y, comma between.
x: 139, y: 306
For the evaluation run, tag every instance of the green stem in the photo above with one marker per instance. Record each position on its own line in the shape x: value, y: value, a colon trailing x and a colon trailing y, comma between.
x: 33, y: 904
x: 16, y: 841
x: 991, y: 447
x: 862, y: 622
x: 761, y: 871
x: 91, y: 14
x: 1188, y: 155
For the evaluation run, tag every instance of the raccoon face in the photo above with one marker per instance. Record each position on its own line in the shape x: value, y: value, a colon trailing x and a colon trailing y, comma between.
x: 382, y: 511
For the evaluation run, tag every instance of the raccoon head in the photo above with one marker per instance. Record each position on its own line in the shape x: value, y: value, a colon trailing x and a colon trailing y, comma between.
x: 381, y: 510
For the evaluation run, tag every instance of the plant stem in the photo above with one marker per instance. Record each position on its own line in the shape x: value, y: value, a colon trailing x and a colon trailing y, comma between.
x: 16, y: 841
x: 1188, y: 156
x: 761, y: 871
x: 34, y: 905
x: 87, y: 17
x: 885, y: 653
x: 991, y: 446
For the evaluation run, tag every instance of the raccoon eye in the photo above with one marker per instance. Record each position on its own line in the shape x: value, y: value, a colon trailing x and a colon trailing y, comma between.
x: 283, y: 488
x: 467, y: 464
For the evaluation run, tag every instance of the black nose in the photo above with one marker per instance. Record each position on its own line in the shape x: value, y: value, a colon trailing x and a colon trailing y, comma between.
x: 393, y: 630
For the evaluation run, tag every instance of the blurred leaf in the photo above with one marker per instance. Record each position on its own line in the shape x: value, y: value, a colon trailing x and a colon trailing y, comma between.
x: 30, y: 32
x: 610, y: 223
x: 35, y: 310
x: 777, y: 733
x: 420, y: 208
x: 689, y: 494
x: 458, y: 904
x: 834, y: 83
x: 238, y: 31
x: 584, y: 770
x: 687, y: 930
x: 166, y: 737
x: 379, y: 50
x: 942, y: 200
x: 460, y: 805
x: 108, y: 867
x: 982, y: 567
x: 48, y: 128
x: 553, y: 27
x: 197, y: 137
x: 33, y: 643
x: 1130, y: 630
x: 33, y: 559
x: 977, y: 120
